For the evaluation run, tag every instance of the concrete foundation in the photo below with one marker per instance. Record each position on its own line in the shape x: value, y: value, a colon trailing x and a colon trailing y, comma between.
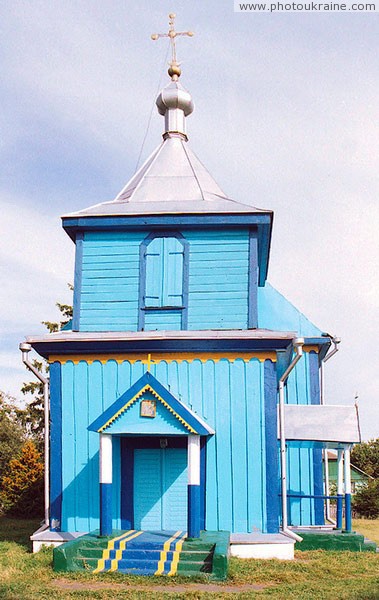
x: 262, y: 545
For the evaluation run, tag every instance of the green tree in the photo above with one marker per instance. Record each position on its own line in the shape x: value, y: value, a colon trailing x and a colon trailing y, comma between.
x: 365, y: 456
x: 21, y: 489
x: 366, y: 500
x: 12, y: 435
x: 33, y: 417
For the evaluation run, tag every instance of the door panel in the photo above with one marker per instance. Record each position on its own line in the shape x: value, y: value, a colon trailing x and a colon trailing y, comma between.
x: 160, y: 489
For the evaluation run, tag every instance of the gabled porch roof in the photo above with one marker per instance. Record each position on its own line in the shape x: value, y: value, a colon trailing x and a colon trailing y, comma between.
x: 172, y: 416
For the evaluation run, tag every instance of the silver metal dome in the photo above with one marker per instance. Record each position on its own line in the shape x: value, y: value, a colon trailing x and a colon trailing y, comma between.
x: 175, y: 103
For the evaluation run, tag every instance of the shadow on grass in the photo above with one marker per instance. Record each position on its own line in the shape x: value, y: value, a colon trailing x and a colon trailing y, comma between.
x: 18, y: 530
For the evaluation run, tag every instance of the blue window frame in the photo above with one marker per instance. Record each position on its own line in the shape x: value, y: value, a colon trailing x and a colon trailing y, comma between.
x: 163, y: 298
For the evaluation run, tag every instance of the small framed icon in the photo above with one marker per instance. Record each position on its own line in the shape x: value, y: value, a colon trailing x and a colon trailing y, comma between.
x: 148, y: 408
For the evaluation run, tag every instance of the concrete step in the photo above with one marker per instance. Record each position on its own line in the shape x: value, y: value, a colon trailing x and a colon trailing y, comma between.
x: 140, y: 554
x: 192, y: 555
x: 197, y: 545
x: 198, y: 567
x: 137, y: 564
x: 135, y: 571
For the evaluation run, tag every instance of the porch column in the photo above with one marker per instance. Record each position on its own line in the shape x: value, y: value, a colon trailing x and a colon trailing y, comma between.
x: 339, y: 489
x: 193, y: 486
x: 346, y: 463
x: 105, y: 484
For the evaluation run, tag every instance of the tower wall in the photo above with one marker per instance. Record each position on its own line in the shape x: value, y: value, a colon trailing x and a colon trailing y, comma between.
x: 108, y: 288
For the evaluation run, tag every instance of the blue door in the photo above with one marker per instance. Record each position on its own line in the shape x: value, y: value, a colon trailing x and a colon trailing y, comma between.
x: 160, y: 489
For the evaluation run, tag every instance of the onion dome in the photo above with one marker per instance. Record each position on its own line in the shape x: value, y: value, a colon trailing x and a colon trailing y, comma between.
x: 174, y: 104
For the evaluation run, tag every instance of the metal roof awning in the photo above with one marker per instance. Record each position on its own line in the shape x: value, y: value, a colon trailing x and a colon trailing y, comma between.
x: 313, y: 426
x: 108, y: 342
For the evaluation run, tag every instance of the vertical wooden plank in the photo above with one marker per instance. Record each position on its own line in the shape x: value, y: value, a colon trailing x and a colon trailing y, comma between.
x: 95, y: 404
x: 318, y: 487
x: 82, y: 470
x: 271, y: 445
x: 161, y: 373
x: 238, y: 433
x: 195, y: 383
x: 211, y: 503
x: 173, y: 379
x: 154, y: 273
x: 173, y: 281
x: 254, y: 409
x: 55, y: 446
x: 223, y: 441
x: 137, y: 370
x: 68, y: 447
x: 263, y: 445
x: 294, y: 480
x: 184, y: 382
x: 124, y: 377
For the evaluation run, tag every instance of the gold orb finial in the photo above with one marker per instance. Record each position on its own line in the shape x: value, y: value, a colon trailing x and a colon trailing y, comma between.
x: 174, y: 69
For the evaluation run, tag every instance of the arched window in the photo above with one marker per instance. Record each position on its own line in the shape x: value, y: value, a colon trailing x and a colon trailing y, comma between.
x: 163, y: 282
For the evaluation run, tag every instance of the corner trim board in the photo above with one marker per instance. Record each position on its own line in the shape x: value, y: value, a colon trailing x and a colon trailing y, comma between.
x: 55, y: 446
x: 78, y: 280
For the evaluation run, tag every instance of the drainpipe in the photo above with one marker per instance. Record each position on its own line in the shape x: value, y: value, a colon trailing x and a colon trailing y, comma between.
x: 25, y: 349
x: 335, y: 341
x: 298, y: 345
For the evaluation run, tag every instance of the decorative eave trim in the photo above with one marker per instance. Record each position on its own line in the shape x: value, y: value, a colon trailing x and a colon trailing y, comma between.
x: 168, y: 357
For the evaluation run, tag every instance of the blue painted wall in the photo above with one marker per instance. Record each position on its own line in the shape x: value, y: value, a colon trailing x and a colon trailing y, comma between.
x: 229, y: 395
x: 277, y: 313
x: 107, y: 299
x: 302, y: 471
x: 108, y: 269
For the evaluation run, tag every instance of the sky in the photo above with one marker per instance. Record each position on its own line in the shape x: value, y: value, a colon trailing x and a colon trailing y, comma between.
x: 286, y: 115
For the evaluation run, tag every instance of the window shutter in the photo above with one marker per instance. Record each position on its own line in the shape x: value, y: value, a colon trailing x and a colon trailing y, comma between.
x: 164, y: 273
x: 173, y: 272
x: 154, y: 274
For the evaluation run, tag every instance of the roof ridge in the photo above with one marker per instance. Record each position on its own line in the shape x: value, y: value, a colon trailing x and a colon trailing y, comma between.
x: 193, y: 170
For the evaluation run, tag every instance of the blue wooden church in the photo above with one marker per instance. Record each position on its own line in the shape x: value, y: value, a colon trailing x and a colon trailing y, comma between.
x: 185, y: 393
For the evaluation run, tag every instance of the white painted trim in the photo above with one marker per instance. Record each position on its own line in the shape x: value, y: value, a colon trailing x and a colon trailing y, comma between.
x: 340, y: 472
x: 193, y: 460
x: 347, y: 472
x: 105, y: 458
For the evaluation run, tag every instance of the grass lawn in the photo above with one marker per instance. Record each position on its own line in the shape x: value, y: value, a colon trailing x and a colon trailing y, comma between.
x: 367, y: 527
x: 317, y: 575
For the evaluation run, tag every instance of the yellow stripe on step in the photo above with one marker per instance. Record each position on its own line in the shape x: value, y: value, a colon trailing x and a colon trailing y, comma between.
x: 163, y: 555
x: 119, y: 551
x: 175, y: 558
x: 110, y: 546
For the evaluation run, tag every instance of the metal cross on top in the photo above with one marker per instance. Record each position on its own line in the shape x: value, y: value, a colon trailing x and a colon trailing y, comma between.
x: 174, y: 70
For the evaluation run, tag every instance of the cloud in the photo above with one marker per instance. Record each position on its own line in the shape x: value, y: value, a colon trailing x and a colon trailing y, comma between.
x: 286, y: 115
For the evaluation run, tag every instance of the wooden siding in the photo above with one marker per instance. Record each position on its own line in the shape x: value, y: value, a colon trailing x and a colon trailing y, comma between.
x: 110, y: 281
x: 218, y: 282
x: 218, y: 279
x: 300, y: 471
x: 229, y: 395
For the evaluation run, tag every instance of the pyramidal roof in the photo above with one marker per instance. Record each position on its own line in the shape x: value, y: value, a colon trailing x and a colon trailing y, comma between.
x: 171, y: 181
